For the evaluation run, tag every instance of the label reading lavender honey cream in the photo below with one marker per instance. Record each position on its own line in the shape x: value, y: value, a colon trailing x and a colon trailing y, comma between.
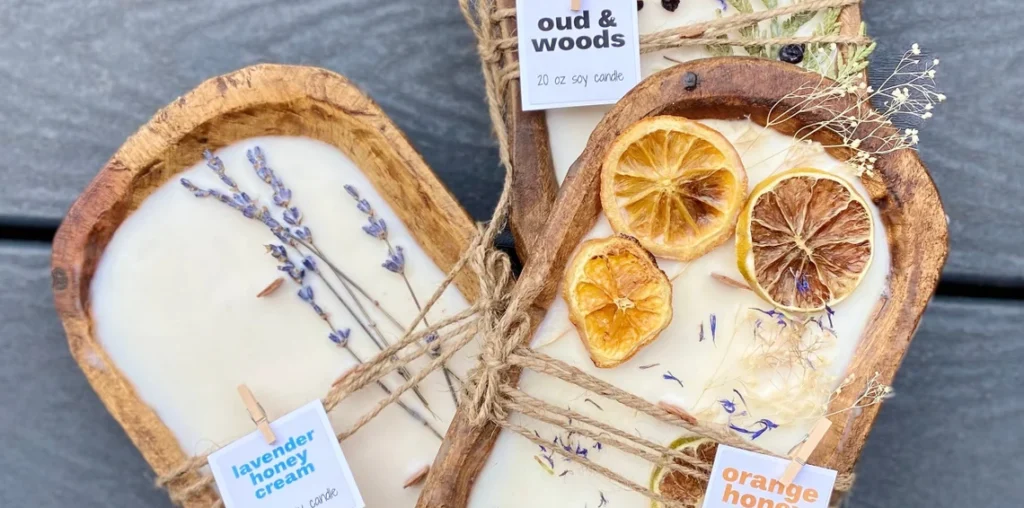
x: 304, y: 468
x: 576, y: 58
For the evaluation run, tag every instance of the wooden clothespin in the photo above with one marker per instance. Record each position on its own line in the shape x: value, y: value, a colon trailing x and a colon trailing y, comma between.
x: 802, y: 451
x: 257, y: 414
x: 575, y: 5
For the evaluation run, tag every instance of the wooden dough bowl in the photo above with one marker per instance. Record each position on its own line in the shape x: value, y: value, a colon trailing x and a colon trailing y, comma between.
x: 256, y: 101
x: 734, y: 88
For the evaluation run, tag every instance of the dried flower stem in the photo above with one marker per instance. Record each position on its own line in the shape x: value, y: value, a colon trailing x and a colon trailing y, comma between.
x: 395, y: 263
x: 252, y: 209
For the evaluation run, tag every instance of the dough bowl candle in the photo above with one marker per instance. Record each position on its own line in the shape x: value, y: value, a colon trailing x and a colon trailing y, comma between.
x: 799, y: 263
x: 272, y: 228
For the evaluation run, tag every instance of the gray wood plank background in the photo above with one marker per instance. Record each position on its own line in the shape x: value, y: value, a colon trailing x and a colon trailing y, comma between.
x: 973, y: 145
x: 78, y: 76
x: 949, y: 439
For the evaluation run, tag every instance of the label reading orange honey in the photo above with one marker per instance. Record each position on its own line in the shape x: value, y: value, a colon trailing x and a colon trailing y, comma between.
x: 750, y: 480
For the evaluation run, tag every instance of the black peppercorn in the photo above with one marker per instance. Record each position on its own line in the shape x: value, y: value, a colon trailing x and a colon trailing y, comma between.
x: 639, y: 4
x: 670, y: 5
x: 690, y: 81
x: 792, y: 53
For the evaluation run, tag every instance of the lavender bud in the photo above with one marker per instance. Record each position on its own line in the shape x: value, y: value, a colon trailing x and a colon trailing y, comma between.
x: 364, y: 206
x: 352, y: 191
x: 293, y: 216
x: 303, y: 234
x: 340, y: 337
x: 306, y: 294
x: 278, y: 252
x: 376, y: 228
x: 435, y: 347
x: 282, y: 197
x: 395, y: 261
x: 309, y: 263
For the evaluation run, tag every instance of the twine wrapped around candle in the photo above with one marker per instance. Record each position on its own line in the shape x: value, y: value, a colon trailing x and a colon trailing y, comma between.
x: 501, y: 319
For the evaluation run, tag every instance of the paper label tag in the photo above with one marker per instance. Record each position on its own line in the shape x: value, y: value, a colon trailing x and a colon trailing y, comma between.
x: 747, y: 479
x: 576, y: 58
x: 304, y: 468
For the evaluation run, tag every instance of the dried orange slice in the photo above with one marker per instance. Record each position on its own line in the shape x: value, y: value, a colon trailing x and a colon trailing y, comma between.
x: 675, y: 185
x: 804, y: 240
x: 678, y: 486
x: 619, y: 300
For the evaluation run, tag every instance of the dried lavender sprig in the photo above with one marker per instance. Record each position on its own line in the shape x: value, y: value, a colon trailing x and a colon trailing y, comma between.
x: 251, y: 209
x: 293, y: 216
x: 340, y: 337
x: 395, y: 263
x: 350, y: 284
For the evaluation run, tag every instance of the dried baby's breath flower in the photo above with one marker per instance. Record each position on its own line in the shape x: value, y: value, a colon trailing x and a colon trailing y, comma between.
x: 874, y: 393
x: 907, y: 96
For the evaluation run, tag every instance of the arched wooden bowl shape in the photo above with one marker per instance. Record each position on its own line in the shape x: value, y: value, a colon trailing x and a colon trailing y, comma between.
x: 256, y: 101
x: 734, y: 88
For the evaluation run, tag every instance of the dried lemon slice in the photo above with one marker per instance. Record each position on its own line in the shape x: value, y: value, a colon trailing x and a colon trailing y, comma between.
x: 675, y: 185
x: 804, y: 240
x: 678, y: 486
x: 619, y: 300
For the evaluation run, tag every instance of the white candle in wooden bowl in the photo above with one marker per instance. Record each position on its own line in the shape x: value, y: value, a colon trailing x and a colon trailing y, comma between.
x: 174, y: 305
x: 706, y: 352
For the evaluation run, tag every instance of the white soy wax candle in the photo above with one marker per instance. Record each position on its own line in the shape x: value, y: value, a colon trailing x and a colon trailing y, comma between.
x: 174, y: 304
x: 709, y: 359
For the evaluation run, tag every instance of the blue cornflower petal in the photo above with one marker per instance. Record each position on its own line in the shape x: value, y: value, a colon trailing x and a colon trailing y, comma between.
x: 714, y: 326
x: 669, y: 376
x: 728, y: 405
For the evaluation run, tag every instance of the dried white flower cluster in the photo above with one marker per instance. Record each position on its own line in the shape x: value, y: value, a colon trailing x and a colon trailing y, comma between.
x: 907, y: 96
x: 783, y: 369
x: 874, y: 393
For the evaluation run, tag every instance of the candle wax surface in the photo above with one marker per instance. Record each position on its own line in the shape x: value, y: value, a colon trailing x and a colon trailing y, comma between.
x: 707, y: 370
x: 174, y: 305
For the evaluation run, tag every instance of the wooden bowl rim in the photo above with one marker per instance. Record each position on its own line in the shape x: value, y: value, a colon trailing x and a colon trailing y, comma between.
x: 76, y: 251
x: 905, y: 193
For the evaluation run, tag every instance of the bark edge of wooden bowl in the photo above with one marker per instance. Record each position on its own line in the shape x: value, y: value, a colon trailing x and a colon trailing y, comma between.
x: 260, y: 100
x: 732, y: 88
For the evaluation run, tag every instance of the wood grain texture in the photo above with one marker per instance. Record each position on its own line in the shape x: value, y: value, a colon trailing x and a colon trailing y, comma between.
x: 973, y: 145
x: 534, y: 184
x: 79, y: 76
x: 256, y: 101
x: 734, y: 88
x: 61, y: 447
x: 951, y: 435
